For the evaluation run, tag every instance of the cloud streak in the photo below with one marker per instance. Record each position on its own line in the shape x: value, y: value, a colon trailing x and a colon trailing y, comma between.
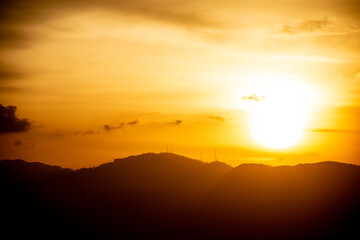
x: 325, y: 130
x: 133, y: 122
x: 253, y: 97
x: 217, y: 118
x: 109, y: 128
x: 323, y: 26
x: 176, y: 122
x: 306, y: 26
x: 18, y: 16
x: 22, y: 22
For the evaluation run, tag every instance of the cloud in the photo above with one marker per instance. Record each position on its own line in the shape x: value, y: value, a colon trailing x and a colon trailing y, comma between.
x: 18, y: 143
x: 7, y: 72
x: 108, y: 127
x: 306, y: 26
x: 253, y: 97
x: 10, y: 123
x: 10, y: 89
x: 217, y: 118
x: 89, y: 132
x: 14, y: 37
x: 133, y: 122
x: 325, y: 26
x: 20, y: 21
x: 60, y: 133
x: 18, y: 16
x: 325, y: 130
x: 176, y: 122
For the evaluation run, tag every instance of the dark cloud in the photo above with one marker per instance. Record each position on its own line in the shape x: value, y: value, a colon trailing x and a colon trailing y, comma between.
x: 121, y: 125
x: 176, y: 122
x: 217, y: 118
x: 10, y: 123
x: 253, y: 97
x: 324, y: 130
x: 60, y: 133
x: 18, y: 143
x: 89, y: 132
x: 133, y: 122
x: 108, y: 127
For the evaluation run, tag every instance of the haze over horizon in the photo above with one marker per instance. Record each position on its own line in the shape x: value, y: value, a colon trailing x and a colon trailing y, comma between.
x: 272, y: 82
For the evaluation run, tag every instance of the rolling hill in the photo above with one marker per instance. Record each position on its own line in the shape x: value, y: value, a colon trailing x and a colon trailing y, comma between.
x: 167, y: 196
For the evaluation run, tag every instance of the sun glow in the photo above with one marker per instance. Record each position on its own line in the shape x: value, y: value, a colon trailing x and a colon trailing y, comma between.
x: 278, y: 113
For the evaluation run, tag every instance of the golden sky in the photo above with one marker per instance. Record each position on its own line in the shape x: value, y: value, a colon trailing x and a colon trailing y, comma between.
x: 274, y: 82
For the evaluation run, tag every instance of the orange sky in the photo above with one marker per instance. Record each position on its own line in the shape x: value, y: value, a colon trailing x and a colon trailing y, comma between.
x: 100, y: 80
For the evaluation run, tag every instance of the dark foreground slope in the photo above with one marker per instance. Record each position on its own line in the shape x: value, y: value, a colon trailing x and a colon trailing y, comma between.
x: 166, y: 196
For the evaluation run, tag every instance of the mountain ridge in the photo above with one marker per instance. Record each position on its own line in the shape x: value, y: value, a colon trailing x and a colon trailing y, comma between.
x: 148, y: 156
x: 167, y: 196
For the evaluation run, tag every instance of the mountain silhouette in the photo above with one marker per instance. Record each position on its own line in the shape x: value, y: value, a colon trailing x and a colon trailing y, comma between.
x: 167, y: 196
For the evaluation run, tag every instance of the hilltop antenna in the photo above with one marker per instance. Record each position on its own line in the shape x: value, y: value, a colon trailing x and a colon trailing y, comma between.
x: 167, y: 148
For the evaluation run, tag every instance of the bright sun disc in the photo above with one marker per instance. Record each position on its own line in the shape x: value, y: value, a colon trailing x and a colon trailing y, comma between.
x: 279, y: 119
x: 276, y: 128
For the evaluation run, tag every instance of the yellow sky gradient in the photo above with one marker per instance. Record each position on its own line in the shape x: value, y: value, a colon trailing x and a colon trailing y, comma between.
x: 177, y: 74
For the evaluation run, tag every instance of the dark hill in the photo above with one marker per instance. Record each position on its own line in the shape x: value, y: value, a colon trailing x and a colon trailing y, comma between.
x: 19, y: 169
x: 166, y: 196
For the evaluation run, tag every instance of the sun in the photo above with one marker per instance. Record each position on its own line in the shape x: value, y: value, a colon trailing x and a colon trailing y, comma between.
x: 278, y: 113
x: 275, y: 126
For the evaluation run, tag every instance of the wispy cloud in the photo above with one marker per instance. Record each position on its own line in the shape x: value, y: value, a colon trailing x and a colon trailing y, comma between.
x: 133, y: 122
x: 326, y: 26
x: 108, y: 127
x: 7, y: 72
x: 176, y: 122
x: 306, y: 26
x: 17, y: 17
x: 21, y: 21
x: 253, y: 97
x: 88, y: 132
x: 216, y: 118
x: 325, y: 130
